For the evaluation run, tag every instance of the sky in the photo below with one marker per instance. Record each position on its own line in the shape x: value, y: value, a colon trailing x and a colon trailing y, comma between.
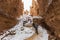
x: 27, y: 4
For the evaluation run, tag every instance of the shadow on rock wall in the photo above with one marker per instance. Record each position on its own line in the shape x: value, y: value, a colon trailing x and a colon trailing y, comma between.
x: 51, y: 15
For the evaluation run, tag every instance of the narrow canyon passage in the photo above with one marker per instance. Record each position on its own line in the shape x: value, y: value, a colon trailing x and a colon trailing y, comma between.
x: 24, y: 19
x: 27, y: 32
x: 20, y: 32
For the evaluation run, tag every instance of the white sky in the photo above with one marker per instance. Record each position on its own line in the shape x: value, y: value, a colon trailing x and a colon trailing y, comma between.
x: 27, y: 4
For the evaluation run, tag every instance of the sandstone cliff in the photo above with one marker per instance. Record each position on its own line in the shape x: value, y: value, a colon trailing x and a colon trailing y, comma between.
x: 50, y: 11
x: 34, y: 8
x: 9, y: 11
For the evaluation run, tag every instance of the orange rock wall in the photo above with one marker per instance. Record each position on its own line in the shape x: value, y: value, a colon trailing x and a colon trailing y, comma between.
x: 34, y: 8
x: 9, y: 11
x: 51, y: 14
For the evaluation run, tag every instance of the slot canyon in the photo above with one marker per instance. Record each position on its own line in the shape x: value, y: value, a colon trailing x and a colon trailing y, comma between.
x: 49, y: 10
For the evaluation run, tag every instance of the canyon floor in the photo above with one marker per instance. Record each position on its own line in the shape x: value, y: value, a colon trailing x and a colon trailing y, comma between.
x: 20, y: 32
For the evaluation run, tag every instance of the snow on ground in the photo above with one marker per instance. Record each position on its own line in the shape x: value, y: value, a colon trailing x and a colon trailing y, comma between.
x: 37, y: 17
x: 43, y: 35
x: 22, y: 32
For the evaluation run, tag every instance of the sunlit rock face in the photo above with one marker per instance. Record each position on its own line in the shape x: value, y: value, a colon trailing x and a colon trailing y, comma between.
x: 34, y: 8
x: 50, y: 10
x: 9, y: 11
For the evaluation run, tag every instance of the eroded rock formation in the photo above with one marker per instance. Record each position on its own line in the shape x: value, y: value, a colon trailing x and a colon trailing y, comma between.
x: 50, y: 11
x: 53, y: 17
x: 9, y: 11
x: 34, y: 8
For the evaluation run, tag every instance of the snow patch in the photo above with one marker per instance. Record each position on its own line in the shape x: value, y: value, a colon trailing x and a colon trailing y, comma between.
x: 19, y: 32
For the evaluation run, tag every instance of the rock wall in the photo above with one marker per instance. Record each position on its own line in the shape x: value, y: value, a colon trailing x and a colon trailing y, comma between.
x: 43, y: 5
x: 50, y: 11
x: 34, y: 8
x: 53, y: 17
x: 9, y: 11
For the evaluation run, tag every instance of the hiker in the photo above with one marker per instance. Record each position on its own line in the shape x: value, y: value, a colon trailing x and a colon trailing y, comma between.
x: 35, y: 25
